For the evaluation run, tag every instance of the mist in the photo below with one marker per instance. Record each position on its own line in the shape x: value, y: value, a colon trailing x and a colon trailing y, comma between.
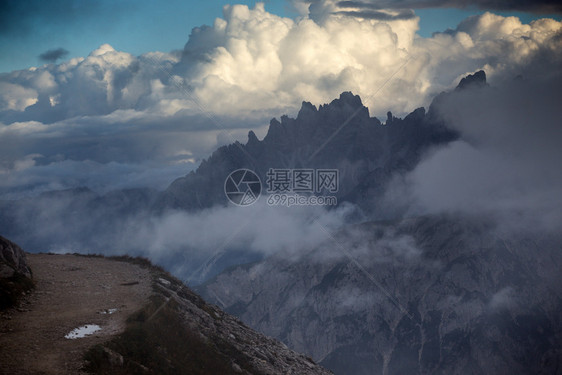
x: 506, y: 164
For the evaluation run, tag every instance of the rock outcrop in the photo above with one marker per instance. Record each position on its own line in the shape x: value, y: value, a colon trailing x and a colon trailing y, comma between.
x: 15, y: 273
x: 12, y: 259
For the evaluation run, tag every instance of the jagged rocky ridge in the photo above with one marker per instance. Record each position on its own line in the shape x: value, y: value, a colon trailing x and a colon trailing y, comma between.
x: 340, y: 135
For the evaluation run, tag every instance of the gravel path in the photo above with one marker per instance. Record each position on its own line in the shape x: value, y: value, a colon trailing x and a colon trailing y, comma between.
x: 71, y: 291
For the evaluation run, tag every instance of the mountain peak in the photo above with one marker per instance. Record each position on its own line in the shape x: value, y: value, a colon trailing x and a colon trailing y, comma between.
x: 252, y: 138
x: 477, y: 79
x: 308, y: 106
x: 347, y: 97
x: 307, y: 111
x: 389, y: 117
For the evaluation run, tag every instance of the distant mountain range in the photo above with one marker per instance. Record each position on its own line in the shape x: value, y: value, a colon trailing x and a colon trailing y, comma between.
x: 430, y: 295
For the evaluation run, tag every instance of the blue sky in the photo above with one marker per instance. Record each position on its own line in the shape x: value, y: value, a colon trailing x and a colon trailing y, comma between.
x: 133, y: 26
x: 31, y: 28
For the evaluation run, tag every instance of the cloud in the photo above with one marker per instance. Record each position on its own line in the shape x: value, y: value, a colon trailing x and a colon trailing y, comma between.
x: 35, y: 174
x: 403, y: 14
x: 260, y: 228
x: 16, y: 97
x: 184, y: 242
x: 104, y: 154
x: 255, y: 64
x: 260, y: 60
x: 249, y: 66
x: 361, y: 10
x: 506, y: 164
x: 53, y: 55
x: 504, y: 298
x: 544, y: 6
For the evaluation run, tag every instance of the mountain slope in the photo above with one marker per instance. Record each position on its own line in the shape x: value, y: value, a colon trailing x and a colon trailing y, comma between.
x: 426, y: 295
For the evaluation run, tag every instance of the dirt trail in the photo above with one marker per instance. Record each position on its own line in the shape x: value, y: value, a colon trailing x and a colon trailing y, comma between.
x: 71, y: 291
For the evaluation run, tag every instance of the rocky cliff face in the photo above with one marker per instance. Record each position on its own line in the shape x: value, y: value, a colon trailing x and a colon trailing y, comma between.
x: 427, y: 295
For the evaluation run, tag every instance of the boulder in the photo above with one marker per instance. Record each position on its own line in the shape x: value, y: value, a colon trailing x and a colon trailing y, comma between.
x: 12, y: 260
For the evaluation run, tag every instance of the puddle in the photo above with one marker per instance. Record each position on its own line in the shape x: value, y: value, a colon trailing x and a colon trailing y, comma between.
x: 108, y: 311
x: 83, y: 331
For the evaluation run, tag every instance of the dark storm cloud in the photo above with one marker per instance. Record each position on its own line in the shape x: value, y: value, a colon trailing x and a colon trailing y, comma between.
x: 53, y: 55
x: 403, y: 14
x: 543, y: 6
